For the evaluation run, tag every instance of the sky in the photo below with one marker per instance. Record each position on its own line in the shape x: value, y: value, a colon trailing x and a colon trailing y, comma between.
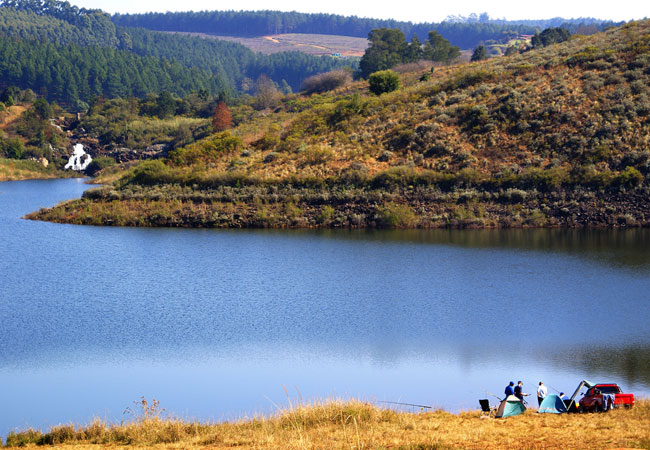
x: 407, y: 10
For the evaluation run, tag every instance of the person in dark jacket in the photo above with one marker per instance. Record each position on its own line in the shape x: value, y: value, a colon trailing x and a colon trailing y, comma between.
x: 509, y: 389
x: 518, y: 391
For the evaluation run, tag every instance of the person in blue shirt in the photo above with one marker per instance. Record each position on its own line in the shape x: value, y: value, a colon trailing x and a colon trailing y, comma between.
x: 510, y: 390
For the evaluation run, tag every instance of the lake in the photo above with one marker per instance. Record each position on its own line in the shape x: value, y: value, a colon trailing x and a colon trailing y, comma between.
x: 217, y: 324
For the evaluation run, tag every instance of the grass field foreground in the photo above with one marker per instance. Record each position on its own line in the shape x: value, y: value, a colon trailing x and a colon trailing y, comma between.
x: 356, y: 425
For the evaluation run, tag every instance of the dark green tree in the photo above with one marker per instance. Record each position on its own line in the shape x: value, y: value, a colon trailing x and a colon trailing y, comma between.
x: 166, y: 105
x: 550, y: 36
x: 42, y: 109
x: 414, y: 51
x: 439, y: 49
x: 387, y: 49
x: 479, y: 54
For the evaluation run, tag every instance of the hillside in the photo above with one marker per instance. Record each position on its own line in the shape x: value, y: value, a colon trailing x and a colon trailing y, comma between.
x: 93, y: 57
x: 557, y: 136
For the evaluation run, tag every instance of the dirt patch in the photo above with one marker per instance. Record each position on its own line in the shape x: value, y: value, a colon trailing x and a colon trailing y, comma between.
x: 12, y: 113
x: 313, y: 44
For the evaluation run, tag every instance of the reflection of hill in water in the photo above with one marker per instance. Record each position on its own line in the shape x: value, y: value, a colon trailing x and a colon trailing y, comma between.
x: 626, y: 365
x: 626, y: 248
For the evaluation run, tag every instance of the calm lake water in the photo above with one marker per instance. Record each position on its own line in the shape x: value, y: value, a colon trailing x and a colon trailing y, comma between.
x: 214, y: 324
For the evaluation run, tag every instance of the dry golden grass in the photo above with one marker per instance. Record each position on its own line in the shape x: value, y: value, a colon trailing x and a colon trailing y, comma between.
x: 358, y: 425
x: 14, y: 170
x: 10, y: 115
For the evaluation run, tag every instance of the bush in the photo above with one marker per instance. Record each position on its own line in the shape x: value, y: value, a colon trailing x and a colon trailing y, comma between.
x: 395, y: 215
x: 328, y: 81
x: 629, y: 178
x: 23, y: 438
x: 384, y: 81
x: 98, y: 164
x: 12, y: 148
x: 150, y: 172
x: 207, y: 150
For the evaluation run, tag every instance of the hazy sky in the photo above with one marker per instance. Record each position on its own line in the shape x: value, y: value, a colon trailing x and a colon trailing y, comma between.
x: 416, y: 11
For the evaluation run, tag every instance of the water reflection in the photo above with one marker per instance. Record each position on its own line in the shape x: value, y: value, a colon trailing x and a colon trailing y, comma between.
x: 625, y: 248
x: 214, y: 322
x: 630, y: 364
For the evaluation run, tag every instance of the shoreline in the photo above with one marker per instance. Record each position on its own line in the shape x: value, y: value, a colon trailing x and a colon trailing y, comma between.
x: 23, y: 170
x: 258, y: 207
x: 355, y: 424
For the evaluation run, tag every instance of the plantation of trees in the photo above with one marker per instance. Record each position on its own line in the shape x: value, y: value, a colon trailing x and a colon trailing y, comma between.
x: 464, y: 32
x: 70, y: 55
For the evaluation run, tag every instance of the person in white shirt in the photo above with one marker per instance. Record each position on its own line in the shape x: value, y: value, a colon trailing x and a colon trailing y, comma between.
x: 541, y: 393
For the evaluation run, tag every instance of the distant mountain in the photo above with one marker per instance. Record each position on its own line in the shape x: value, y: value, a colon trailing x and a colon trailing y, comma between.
x: 465, y: 32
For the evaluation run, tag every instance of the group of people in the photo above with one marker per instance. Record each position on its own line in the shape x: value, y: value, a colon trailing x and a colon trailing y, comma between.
x: 517, y: 391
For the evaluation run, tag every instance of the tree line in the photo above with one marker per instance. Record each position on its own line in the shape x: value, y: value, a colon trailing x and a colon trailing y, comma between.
x: 66, y: 30
x: 73, y: 75
x: 388, y: 48
x: 460, y: 32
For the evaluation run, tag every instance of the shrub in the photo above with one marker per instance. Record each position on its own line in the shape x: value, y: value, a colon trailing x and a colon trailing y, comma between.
x: 325, y: 215
x: 629, y: 178
x: 328, y: 81
x: 23, y: 438
x: 273, y: 156
x: 221, y: 119
x: 150, y: 173
x: 207, y: 150
x: 395, y: 215
x: 98, y: 164
x: 385, y: 156
x: 12, y: 148
x: 384, y: 81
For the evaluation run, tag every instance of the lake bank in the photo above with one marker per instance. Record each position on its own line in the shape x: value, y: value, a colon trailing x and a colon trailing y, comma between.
x: 353, y: 424
x: 20, y: 170
x: 264, y: 206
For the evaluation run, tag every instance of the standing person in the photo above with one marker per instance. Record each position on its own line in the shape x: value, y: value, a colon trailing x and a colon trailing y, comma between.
x: 518, y: 391
x: 509, y: 389
x: 541, y: 393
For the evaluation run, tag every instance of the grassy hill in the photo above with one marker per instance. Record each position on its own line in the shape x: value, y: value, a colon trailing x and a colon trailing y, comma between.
x: 558, y: 136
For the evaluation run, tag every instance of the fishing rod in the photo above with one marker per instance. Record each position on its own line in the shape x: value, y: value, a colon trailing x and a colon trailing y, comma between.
x: 407, y: 404
x: 490, y: 393
x: 556, y: 390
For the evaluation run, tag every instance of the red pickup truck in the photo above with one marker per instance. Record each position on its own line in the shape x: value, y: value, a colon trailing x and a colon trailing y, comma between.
x: 593, y: 399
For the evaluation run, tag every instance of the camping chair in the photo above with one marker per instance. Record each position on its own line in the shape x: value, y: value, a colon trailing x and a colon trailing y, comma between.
x: 485, y: 408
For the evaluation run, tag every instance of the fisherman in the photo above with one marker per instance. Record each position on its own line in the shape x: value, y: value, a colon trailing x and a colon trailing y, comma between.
x: 518, y: 393
x: 541, y: 393
x: 564, y: 397
x: 509, y: 389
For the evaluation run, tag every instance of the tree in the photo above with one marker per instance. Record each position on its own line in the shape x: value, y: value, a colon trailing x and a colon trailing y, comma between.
x: 166, y: 105
x: 383, y: 81
x: 439, y: 49
x: 221, y: 119
x: 479, y: 54
x: 550, y: 36
x: 387, y: 49
x: 268, y: 95
x: 42, y: 109
x: 414, y: 50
